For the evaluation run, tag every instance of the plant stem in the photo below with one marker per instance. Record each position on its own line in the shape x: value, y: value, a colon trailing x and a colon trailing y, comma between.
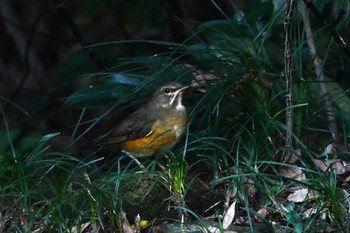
x: 330, y: 111
x: 288, y: 78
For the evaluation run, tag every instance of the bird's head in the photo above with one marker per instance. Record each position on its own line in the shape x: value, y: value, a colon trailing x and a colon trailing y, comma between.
x: 169, y: 95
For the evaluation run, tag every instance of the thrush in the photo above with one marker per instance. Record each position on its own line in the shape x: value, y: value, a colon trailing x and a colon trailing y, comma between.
x: 156, y: 126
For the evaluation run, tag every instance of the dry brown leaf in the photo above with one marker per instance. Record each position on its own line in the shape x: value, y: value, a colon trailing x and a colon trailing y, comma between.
x: 262, y: 213
x: 320, y: 164
x: 330, y: 149
x: 294, y: 173
x: 307, y: 213
x: 200, y: 77
x: 293, y: 158
x: 299, y: 195
x: 230, y: 214
x: 250, y: 188
x: 339, y: 166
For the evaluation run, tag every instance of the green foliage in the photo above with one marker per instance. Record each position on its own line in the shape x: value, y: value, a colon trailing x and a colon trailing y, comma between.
x: 293, y: 217
x: 97, y: 95
x: 235, y: 138
x: 66, y: 75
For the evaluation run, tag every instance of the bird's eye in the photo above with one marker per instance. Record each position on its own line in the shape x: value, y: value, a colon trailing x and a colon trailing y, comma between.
x: 167, y: 90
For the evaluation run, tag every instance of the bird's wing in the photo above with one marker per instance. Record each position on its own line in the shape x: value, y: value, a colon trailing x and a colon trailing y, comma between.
x: 138, y: 124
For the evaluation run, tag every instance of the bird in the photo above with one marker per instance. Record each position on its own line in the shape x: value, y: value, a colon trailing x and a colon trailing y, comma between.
x: 156, y: 126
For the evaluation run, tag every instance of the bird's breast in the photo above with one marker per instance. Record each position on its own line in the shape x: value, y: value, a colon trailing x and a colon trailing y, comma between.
x: 166, y: 133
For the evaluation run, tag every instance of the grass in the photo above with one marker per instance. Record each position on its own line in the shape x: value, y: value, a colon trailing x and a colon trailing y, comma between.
x: 233, y: 149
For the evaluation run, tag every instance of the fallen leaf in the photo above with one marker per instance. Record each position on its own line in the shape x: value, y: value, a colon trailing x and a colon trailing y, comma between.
x: 262, y: 213
x: 307, y: 213
x: 299, y: 195
x: 330, y: 149
x: 230, y: 214
x: 339, y: 166
x: 294, y: 173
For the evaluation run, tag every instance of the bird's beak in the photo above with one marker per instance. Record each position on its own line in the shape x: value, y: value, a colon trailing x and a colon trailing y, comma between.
x: 177, y: 93
x: 183, y: 88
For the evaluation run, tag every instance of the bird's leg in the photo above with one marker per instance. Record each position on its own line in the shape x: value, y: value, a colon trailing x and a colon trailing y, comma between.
x: 136, y: 161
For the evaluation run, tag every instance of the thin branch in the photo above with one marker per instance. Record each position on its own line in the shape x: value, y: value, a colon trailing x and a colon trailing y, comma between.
x: 288, y: 79
x: 319, y: 71
x: 333, y: 31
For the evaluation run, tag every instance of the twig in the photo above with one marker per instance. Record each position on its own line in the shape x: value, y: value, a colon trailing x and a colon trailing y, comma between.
x: 288, y: 79
x: 333, y: 32
x: 330, y: 111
